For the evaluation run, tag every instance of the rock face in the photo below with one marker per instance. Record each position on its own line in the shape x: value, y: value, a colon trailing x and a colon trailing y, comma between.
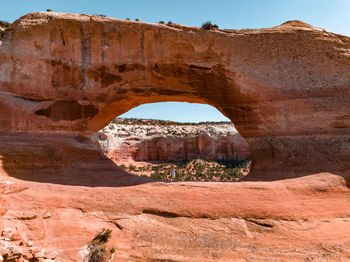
x: 63, y: 77
x: 285, y: 88
x: 145, y: 141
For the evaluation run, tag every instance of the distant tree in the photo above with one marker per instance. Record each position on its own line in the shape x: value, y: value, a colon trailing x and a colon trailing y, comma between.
x: 209, y: 26
x: 4, y: 24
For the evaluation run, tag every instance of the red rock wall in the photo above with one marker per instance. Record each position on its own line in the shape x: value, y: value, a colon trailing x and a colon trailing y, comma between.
x: 286, y: 88
x: 164, y: 149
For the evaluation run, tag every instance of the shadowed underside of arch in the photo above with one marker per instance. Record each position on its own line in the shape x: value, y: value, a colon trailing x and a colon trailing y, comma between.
x: 65, y: 76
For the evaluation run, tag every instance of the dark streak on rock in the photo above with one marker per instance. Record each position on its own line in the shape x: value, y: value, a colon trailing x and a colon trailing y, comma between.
x: 260, y: 222
x: 85, y: 57
x: 142, y: 46
x: 167, y: 214
x: 117, y: 225
x: 160, y: 213
x: 101, y: 75
x: 129, y: 67
x: 68, y: 110
x: 200, y: 67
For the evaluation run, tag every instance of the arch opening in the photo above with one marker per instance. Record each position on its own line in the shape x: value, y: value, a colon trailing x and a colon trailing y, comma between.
x: 153, y: 140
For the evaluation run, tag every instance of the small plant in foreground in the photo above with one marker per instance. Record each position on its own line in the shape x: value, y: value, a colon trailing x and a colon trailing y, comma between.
x: 209, y: 26
x: 98, y: 247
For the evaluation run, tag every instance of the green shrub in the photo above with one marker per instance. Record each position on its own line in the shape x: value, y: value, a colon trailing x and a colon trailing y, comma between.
x: 157, y: 176
x: 161, y: 22
x: 132, y: 168
x: 98, y: 247
x: 4, y: 24
x: 209, y: 26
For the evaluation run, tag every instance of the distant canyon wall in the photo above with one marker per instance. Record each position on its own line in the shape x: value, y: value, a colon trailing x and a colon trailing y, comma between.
x: 172, y: 148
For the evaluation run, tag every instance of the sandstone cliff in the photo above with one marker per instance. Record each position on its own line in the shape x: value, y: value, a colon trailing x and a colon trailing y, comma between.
x: 141, y: 140
x: 284, y: 88
x: 63, y: 77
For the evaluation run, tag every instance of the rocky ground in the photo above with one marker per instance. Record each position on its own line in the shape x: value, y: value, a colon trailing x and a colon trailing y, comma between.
x: 303, y: 219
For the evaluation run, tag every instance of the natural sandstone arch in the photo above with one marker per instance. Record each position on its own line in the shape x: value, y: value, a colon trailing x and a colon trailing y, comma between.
x: 286, y: 88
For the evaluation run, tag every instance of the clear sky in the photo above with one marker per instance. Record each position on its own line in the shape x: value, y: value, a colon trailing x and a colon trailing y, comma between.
x: 332, y: 15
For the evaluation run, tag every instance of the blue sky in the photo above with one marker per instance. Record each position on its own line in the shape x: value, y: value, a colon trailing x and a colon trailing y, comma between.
x: 332, y: 15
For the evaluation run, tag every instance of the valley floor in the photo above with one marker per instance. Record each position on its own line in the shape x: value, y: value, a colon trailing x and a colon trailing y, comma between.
x: 195, y: 170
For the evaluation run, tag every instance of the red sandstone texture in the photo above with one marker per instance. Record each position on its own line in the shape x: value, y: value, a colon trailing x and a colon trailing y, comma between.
x: 63, y: 77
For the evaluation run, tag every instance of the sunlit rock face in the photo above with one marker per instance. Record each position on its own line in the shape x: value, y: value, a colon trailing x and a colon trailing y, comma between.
x: 285, y: 88
x: 126, y: 140
x: 63, y: 77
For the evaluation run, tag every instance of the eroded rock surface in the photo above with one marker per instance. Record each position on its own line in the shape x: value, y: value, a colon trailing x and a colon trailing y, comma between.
x: 63, y: 77
x: 285, y: 88
x: 126, y: 140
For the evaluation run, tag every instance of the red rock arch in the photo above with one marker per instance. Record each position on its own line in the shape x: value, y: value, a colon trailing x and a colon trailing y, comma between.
x: 285, y: 88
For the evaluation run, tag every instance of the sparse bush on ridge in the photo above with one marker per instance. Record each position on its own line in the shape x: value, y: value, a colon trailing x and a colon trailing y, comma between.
x: 151, y: 122
x: 161, y: 22
x: 209, y: 26
x: 101, y: 15
x: 4, y: 24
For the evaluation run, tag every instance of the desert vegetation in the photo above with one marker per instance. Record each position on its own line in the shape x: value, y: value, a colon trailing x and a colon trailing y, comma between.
x: 151, y: 122
x: 194, y: 170
x: 124, y: 127
x: 209, y: 26
x: 98, y: 247
x: 3, y: 26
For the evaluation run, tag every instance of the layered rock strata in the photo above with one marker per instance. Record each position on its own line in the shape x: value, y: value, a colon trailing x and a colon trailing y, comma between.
x: 63, y: 77
x: 285, y: 88
x: 145, y: 141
